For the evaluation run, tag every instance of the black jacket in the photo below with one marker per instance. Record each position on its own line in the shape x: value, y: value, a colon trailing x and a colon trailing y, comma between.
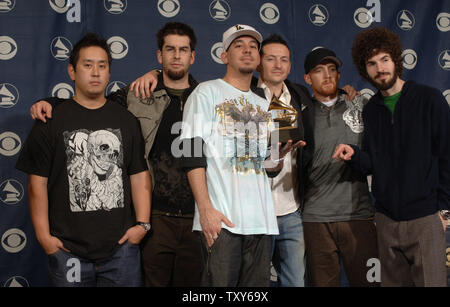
x: 407, y: 152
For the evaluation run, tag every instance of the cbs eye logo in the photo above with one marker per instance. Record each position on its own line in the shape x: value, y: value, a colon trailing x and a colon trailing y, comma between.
x: 59, y: 6
x: 14, y: 240
x: 62, y: 90
x: 216, y: 51
x: 269, y: 13
x: 8, y: 48
x: 10, y: 143
x: 443, y: 22
x: 118, y: 47
x: 168, y: 8
x: 409, y: 59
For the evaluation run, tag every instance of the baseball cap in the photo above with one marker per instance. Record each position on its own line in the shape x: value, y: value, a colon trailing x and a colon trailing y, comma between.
x: 239, y: 30
x: 318, y: 55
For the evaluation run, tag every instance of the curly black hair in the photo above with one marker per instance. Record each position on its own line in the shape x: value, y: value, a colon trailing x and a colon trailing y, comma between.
x: 369, y: 43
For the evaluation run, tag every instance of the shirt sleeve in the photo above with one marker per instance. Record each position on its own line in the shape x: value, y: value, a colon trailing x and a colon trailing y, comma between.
x: 138, y: 161
x: 441, y: 147
x: 37, y: 153
x: 196, y: 129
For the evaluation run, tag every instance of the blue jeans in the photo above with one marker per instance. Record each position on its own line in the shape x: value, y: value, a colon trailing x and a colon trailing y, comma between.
x: 121, y: 269
x: 288, y: 251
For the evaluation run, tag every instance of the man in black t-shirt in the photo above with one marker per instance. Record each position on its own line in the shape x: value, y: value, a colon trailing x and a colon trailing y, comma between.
x: 171, y: 253
x: 89, y: 187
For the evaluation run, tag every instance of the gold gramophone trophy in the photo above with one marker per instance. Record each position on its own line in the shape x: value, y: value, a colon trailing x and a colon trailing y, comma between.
x: 286, y: 120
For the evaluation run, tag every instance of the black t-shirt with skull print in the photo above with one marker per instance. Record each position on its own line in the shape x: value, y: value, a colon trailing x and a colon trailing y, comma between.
x: 88, y: 157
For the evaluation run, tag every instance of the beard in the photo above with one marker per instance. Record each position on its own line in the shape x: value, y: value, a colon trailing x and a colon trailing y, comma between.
x: 384, y: 85
x: 330, y: 91
x: 246, y: 70
x: 176, y: 75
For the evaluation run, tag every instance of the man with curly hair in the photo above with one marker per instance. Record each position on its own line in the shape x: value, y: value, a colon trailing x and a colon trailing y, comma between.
x: 406, y: 148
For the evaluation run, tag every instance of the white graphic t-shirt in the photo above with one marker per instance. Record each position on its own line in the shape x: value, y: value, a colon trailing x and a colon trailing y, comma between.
x: 235, y: 127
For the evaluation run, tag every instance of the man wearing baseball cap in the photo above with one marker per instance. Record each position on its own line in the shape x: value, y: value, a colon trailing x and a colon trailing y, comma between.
x: 338, y: 213
x: 229, y: 125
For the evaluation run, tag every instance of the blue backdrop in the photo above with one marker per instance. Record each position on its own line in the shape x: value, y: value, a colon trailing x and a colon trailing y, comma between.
x: 36, y: 38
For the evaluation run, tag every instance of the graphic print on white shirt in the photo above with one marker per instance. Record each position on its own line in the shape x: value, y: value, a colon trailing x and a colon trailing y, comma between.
x: 244, y: 128
x: 94, y: 168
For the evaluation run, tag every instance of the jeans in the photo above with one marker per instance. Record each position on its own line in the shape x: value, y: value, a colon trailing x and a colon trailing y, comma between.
x: 288, y: 251
x: 121, y: 269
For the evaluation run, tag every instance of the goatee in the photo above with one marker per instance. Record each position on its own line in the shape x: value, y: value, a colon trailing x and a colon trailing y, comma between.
x: 384, y: 85
x: 176, y: 75
x: 246, y: 70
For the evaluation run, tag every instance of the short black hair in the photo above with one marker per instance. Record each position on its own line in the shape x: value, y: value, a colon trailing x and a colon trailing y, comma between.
x: 89, y: 40
x: 274, y: 39
x: 177, y: 28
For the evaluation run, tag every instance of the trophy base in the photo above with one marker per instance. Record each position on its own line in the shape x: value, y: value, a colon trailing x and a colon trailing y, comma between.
x: 287, y: 133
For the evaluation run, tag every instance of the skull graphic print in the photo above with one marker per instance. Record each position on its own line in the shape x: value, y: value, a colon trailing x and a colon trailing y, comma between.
x: 94, y: 168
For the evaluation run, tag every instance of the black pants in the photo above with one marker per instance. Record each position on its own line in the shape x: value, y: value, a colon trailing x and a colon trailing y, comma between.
x: 237, y: 260
x: 171, y: 254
